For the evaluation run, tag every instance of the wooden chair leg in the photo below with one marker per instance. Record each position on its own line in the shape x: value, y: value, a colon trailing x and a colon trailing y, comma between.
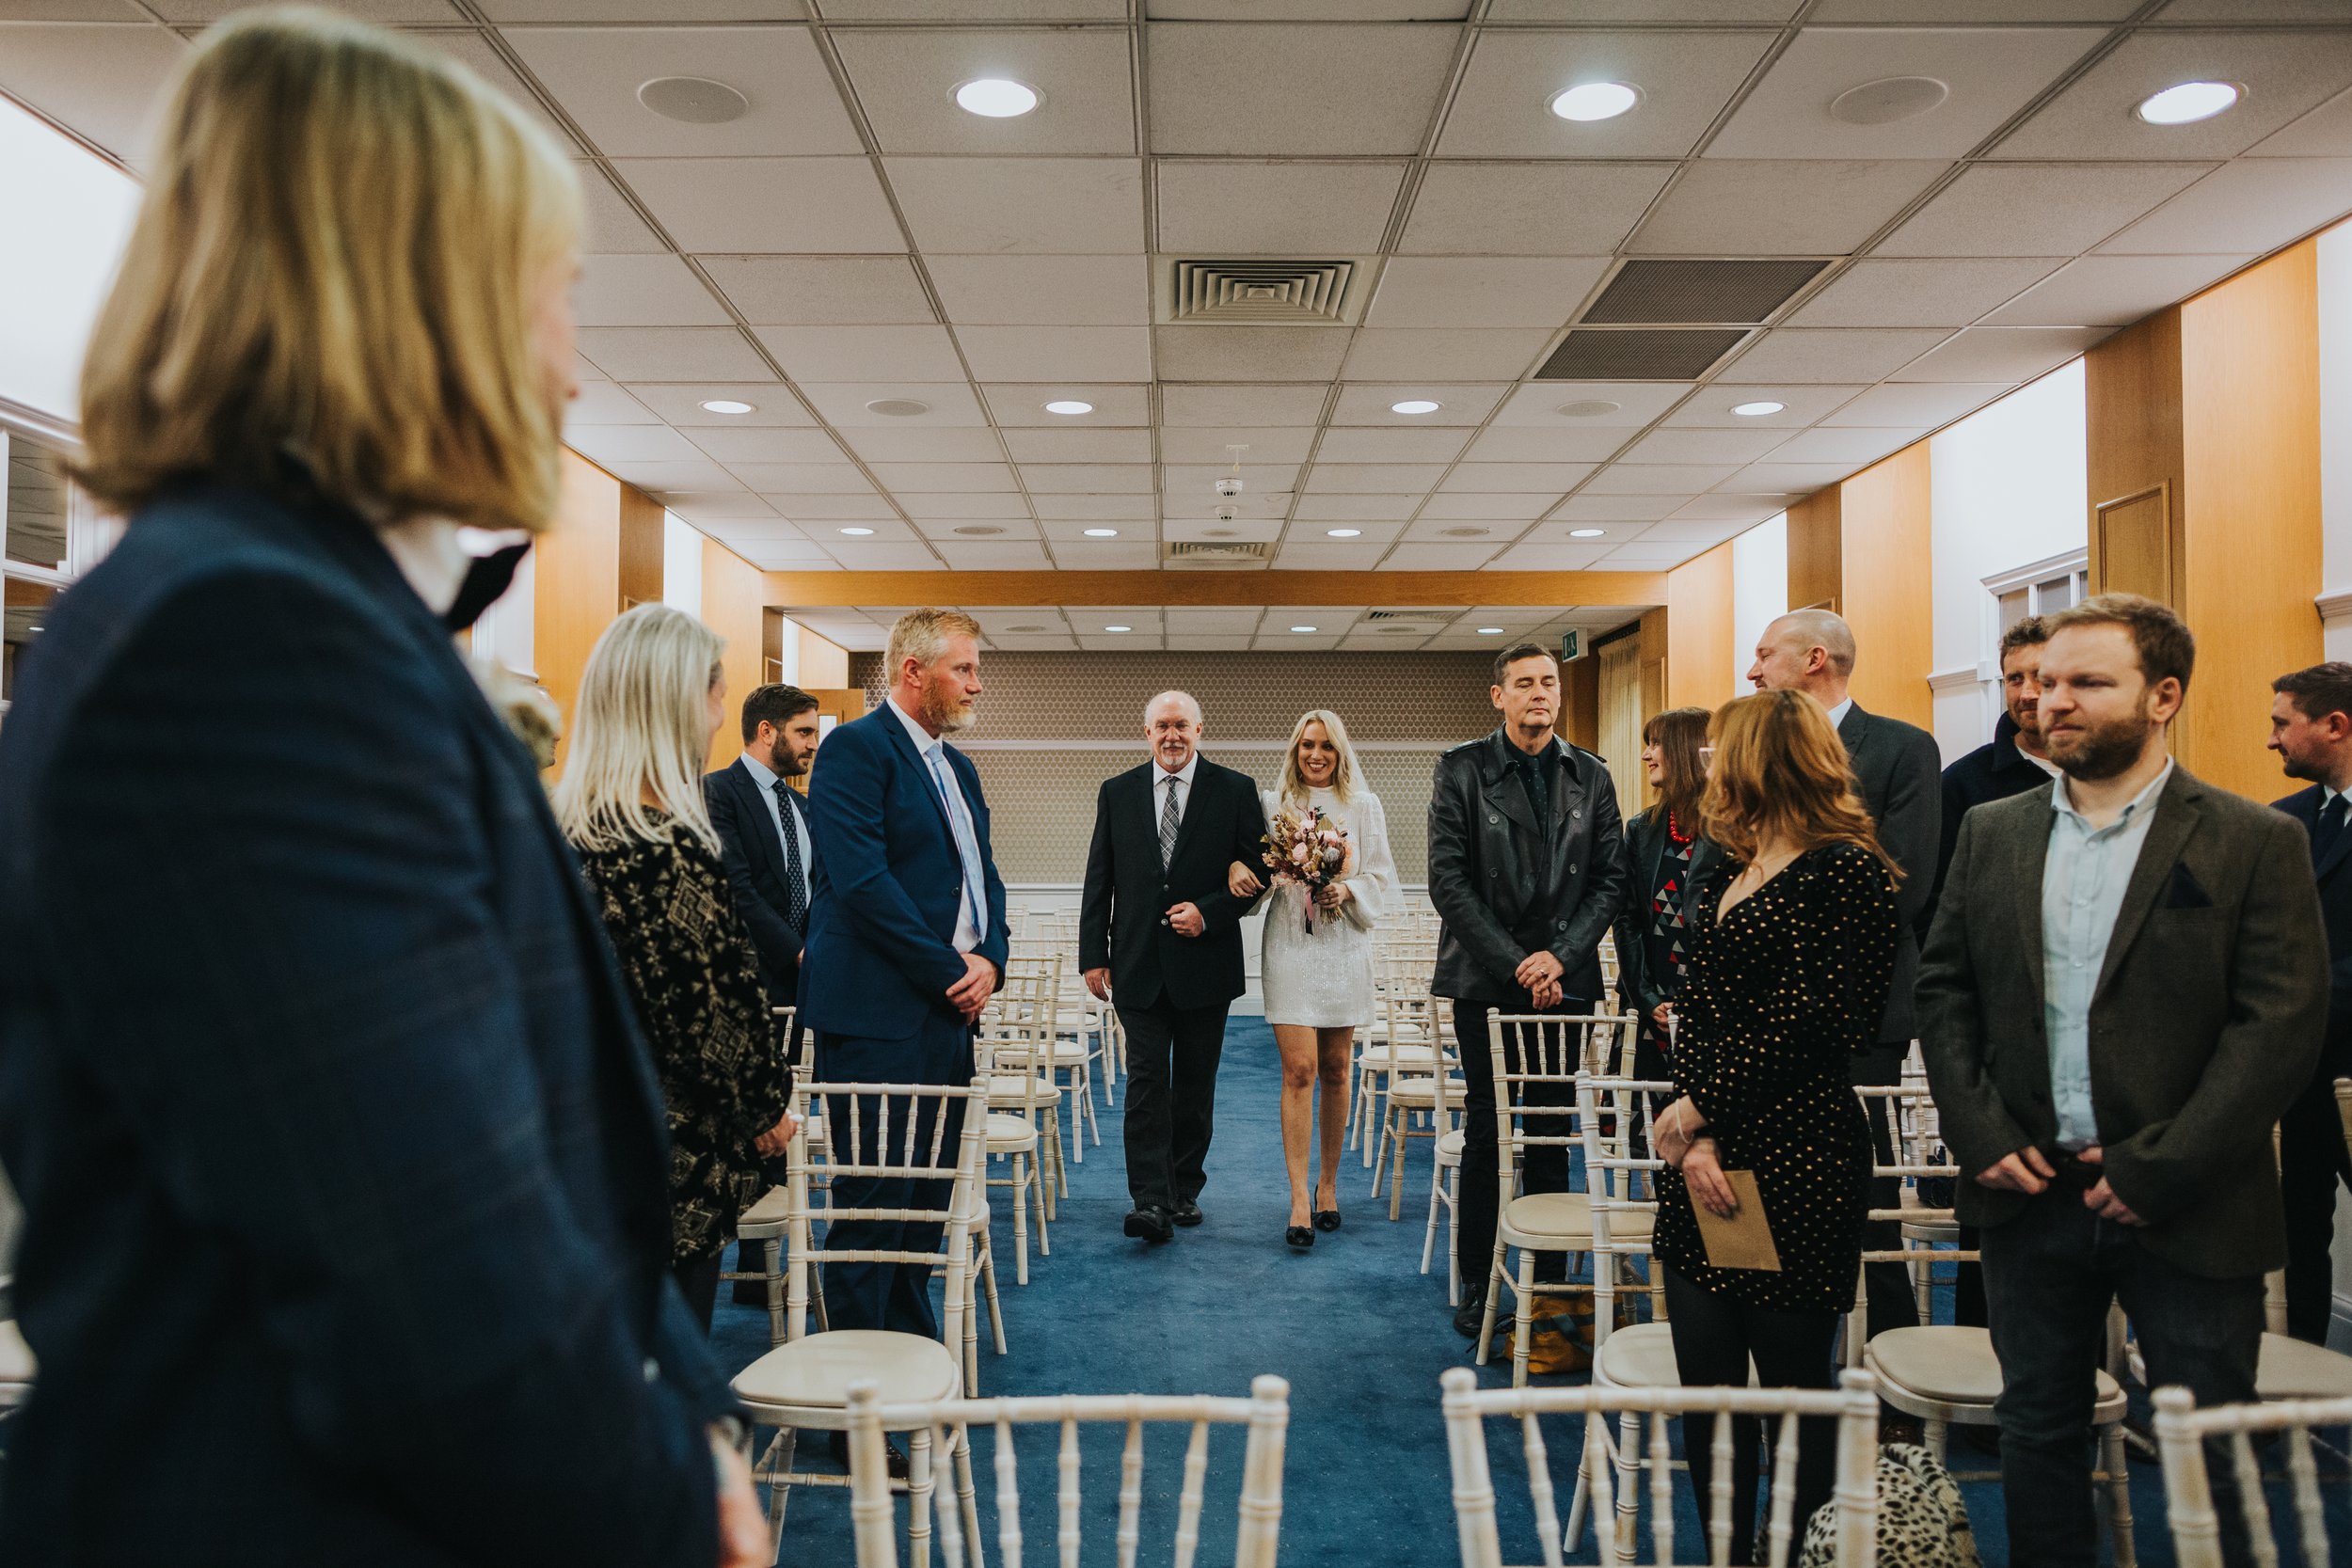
x: 1396, y: 1181
x: 965, y: 1503
x: 773, y: 1265
x: 1019, y: 1220
x: 779, y: 1486
x: 1429, y: 1231
x: 1626, y: 1542
x: 919, y: 1485
x: 2118, y: 1496
x: 1524, y: 1318
x: 1494, y: 1289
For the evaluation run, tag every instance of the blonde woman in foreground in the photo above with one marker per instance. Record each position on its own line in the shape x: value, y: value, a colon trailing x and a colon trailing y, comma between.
x: 307, y: 1017
x: 1318, y: 980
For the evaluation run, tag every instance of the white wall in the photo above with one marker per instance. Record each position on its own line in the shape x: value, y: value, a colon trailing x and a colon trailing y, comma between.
x: 2335, y: 438
x: 681, y: 564
x: 2009, y: 484
x: 69, y: 216
x: 1759, y: 590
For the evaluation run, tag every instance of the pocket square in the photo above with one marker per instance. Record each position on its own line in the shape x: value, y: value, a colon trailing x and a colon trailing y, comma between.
x: 2187, y: 893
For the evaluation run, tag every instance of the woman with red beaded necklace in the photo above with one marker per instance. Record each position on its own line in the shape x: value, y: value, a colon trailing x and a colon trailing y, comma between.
x: 1668, y: 860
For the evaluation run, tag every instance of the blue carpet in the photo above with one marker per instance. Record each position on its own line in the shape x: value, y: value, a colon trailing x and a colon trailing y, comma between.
x: 1361, y: 1336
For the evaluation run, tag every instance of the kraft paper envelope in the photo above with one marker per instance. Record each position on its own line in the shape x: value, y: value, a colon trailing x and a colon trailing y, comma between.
x: 1745, y: 1239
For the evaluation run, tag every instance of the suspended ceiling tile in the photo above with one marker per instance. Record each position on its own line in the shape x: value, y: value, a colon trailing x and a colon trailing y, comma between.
x: 1781, y: 207
x: 1107, y: 556
x: 823, y: 516
x: 1209, y: 444
x: 1305, y: 10
x: 994, y: 555
x: 840, y: 478
x: 953, y: 477
x: 1040, y: 206
x: 1372, y: 479
x: 2113, y: 291
x: 1079, y: 446
x: 489, y: 64
x: 975, y: 11
x: 606, y: 402
x: 765, y: 205
x: 1043, y: 352
x: 1022, y: 402
x: 1350, y: 509
x: 1597, y: 403
x: 1704, y: 446
x: 867, y: 556
x: 1249, y: 352
x: 1922, y: 405
x: 2256, y: 204
x: 1294, y: 92
x: 1921, y: 12
x: 2002, y: 352
x: 1556, y: 443
x: 681, y: 403
x: 1548, y: 558
x: 1548, y: 209
x: 1617, y: 509
x: 1043, y: 291
x: 1460, y: 355
x: 610, y: 225
x: 832, y: 290
x: 733, y: 509
x: 595, y: 74
x: 845, y: 403
x: 766, y: 444
x: 1850, y: 445
x: 1138, y: 508
x: 2036, y: 209
x: 1492, y: 507
x: 1516, y: 479
x: 1420, y: 292
x: 924, y: 444
x: 1389, y: 445
x: 1218, y: 405
x: 1305, y: 208
x: 1989, y: 73
x: 643, y: 291
x: 1087, y: 479
x: 905, y: 80
x: 655, y: 474
x: 1801, y: 406
x: 106, y: 82
x: 1686, y: 78
x: 1657, y: 479
x: 1835, y: 353
x: 933, y: 509
x: 2324, y: 133
x: 1941, y: 293
x: 1458, y: 403
x: 840, y: 353
x: 2286, y: 73
x: 673, y: 354
x: 622, y: 443
x: 1793, y: 478
x: 1490, y: 531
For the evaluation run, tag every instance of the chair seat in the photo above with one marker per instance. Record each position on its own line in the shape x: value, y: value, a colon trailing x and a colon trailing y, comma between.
x: 1546, y: 1220
x: 16, y: 1357
x: 768, y: 1213
x: 1639, y: 1355
x: 1010, y: 1135
x: 1411, y: 1092
x: 1014, y: 1091
x: 2292, y: 1369
x: 1951, y: 1366
x: 1450, y: 1147
x: 811, y: 1377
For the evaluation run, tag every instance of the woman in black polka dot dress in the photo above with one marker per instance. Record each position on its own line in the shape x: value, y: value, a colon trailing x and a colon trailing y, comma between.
x: 1795, y: 952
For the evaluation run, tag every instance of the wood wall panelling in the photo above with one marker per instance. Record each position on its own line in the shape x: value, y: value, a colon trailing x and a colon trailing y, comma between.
x: 1817, y: 551
x: 642, y: 537
x: 2132, y: 408
x: 732, y: 593
x: 576, y: 585
x: 1886, y: 587
x: 1580, y: 685
x: 1699, y: 663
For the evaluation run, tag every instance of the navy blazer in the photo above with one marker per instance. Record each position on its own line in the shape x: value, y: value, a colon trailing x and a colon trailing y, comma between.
x: 2335, y: 906
x: 342, y: 1160
x: 752, y: 853
x: 881, y: 953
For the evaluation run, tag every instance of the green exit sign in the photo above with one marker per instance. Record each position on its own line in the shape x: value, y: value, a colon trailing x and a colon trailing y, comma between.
x: 1571, y: 646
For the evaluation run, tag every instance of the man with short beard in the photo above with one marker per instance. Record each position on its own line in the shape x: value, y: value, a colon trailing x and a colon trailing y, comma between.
x: 2125, y: 985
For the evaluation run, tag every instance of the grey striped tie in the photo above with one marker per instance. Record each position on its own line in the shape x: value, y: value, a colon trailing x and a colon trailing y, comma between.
x: 1167, y: 823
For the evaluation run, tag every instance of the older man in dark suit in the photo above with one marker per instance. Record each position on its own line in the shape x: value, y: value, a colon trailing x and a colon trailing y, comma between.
x: 1896, y: 767
x: 2126, y: 984
x: 2311, y: 729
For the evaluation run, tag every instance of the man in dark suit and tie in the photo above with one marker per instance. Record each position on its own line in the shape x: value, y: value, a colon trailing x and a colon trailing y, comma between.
x: 763, y: 827
x: 1159, y: 932
x: 2125, y: 988
x: 2311, y: 729
x: 906, y: 936
x: 1896, y: 770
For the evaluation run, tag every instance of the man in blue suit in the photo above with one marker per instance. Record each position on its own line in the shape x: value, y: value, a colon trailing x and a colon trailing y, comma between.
x: 2311, y: 729
x: 906, y: 936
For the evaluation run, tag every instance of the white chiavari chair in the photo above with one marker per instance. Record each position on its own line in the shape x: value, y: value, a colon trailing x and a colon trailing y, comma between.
x: 1854, y: 1406
x: 760, y: 1231
x: 1946, y: 1374
x: 1027, y: 1013
x: 1445, y: 1176
x: 1013, y: 1040
x: 893, y: 1132
x: 1408, y: 1043
x: 947, y: 1427
x: 2186, y: 1436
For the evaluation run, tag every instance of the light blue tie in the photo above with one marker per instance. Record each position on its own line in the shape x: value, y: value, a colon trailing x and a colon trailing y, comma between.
x: 967, y: 844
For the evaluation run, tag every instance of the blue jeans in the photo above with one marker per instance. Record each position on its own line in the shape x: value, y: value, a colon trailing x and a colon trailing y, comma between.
x: 2049, y: 1275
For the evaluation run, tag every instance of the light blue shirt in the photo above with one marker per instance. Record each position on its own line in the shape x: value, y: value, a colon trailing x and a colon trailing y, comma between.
x: 785, y: 825
x: 933, y: 751
x: 2083, y: 883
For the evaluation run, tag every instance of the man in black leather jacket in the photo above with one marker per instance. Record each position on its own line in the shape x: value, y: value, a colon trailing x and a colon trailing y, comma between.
x: 1526, y: 871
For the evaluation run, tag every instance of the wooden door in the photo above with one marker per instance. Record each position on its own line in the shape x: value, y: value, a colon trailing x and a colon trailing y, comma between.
x: 2133, y: 548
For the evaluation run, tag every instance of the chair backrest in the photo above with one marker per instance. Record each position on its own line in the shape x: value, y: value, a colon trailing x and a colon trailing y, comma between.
x: 1854, y: 1406
x: 2185, y: 1436
x: 798, y: 1053
x: 1908, y: 1108
x: 1615, y: 1121
x: 1537, y: 1058
x: 891, y: 1130
x: 1265, y: 1414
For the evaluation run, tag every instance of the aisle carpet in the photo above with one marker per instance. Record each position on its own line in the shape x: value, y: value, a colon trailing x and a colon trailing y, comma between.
x: 1361, y: 1336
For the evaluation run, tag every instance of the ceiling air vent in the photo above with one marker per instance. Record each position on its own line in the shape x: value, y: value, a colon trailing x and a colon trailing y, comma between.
x: 1623, y: 354
x: 1223, y: 552
x: 1260, y: 292
x: 1681, y: 293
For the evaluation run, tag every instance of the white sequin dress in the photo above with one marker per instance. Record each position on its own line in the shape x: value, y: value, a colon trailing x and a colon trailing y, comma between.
x: 1323, y: 979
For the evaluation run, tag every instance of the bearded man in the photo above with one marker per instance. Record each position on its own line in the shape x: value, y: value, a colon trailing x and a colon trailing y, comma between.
x: 2125, y: 985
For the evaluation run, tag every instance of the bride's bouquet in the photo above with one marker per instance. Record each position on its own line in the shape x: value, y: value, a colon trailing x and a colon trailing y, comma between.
x: 1307, y: 849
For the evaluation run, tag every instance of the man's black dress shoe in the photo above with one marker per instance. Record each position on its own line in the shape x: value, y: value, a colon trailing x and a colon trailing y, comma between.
x: 1471, y: 1314
x: 840, y: 1443
x: 1151, y: 1224
x: 1187, y: 1213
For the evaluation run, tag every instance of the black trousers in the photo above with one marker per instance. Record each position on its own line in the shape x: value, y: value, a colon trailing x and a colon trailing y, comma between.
x: 698, y: 1278
x: 1891, y: 1303
x: 1715, y: 1337
x: 2311, y: 1160
x: 1172, y: 1054
x: 1543, y: 1168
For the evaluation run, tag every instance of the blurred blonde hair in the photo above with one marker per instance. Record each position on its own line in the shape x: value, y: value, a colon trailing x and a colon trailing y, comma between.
x: 1343, y: 771
x: 638, y: 729
x: 1780, y: 770
x: 337, y: 258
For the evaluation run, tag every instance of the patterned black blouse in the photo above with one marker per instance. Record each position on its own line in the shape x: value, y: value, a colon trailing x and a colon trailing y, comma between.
x: 1784, y: 989
x: 690, y: 970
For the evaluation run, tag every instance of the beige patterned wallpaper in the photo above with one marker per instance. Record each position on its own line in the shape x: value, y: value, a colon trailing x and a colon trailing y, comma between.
x: 1053, y: 726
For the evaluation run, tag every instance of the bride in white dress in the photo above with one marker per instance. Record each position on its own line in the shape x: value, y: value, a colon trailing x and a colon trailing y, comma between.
x: 1318, y: 983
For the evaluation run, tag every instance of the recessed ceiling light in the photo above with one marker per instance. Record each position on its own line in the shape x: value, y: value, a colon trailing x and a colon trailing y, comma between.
x: 1413, y: 405
x: 1302, y: 628
x: 996, y: 98
x: 695, y: 99
x: 1101, y: 534
x: 1595, y: 101
x: 725, y: 406
x: 1586, y: 533
x: 1490, y: 631
x: 1069, y: 406
x: 857, y: 532
x: 1343, y: 532
x: 1119, y: 628
x: 2188, y: 103
x: 1884, y: 103
x: 1753, y: 410
x: 1589, y: 409
x: 897, y: 408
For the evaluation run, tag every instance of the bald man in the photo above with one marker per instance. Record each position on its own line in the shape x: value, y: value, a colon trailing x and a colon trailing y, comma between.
x: 1159, y: 937
x: 1899, y: 773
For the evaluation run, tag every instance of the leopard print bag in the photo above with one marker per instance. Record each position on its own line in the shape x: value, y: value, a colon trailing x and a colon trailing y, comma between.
x: 1922, y: 1522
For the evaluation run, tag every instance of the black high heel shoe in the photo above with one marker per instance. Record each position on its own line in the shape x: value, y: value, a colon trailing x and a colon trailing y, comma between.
x: 1299, y: 1237
x: 1326, y: 1219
